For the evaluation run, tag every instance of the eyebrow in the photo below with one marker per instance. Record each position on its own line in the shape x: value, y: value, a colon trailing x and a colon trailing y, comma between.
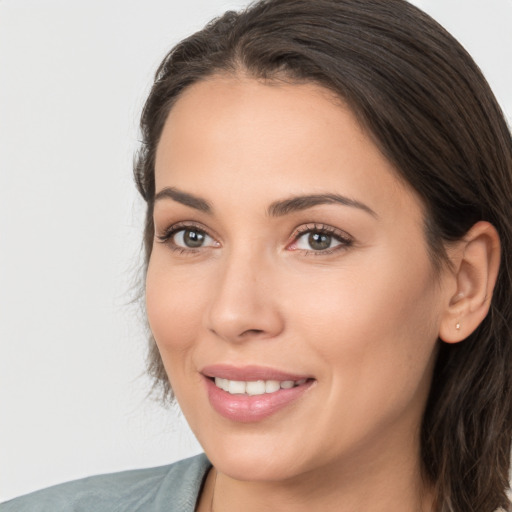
x: 298, y: 203
x: 276, y: 209
x: 184, y: 198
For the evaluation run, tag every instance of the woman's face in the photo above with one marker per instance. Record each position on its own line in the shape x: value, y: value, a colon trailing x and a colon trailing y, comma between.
x: 288, y: 255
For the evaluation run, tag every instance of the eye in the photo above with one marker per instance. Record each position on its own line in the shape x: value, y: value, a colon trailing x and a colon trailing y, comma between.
x: 187, y: 238
x: 191, y: 238
x: 320, y: 239
x: 316, y: 241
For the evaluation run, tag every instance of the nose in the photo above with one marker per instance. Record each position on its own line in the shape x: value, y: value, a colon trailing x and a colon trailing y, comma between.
x: 244, y: 304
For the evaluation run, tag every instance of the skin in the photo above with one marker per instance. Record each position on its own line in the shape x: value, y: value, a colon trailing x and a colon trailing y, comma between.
x: 363, y: 319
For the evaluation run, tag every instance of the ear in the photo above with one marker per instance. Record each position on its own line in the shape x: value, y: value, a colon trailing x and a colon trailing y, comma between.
x: 475, y: 264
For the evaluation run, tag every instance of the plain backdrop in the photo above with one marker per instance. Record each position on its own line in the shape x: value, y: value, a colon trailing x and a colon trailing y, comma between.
x: 73, y: 77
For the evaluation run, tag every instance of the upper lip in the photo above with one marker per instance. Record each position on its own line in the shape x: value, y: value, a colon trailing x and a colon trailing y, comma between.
x: 249, y: 373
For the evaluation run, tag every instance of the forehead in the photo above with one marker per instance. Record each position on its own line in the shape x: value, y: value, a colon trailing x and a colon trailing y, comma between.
x: 235, y: 136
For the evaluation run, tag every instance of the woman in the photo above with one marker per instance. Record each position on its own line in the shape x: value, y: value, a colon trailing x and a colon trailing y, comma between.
x: 328, y: 267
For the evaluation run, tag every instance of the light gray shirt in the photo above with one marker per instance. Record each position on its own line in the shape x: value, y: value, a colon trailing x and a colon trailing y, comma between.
x: 172, y: 488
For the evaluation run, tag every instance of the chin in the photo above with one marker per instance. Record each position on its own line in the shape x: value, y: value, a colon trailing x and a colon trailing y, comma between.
x: 250, y: 460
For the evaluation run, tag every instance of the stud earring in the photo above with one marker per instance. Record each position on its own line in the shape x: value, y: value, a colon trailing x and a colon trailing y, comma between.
x: 457, y: 326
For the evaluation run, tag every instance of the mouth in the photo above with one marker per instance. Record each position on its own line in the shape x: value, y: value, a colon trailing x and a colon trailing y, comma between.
x: 251, y: 394
x: 254, y: 387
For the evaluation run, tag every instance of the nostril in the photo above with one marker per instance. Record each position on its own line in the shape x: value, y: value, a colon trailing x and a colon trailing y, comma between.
x: 252, y: 332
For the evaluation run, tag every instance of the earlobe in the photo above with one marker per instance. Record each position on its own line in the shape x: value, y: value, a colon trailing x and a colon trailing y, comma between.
x: 475, y: 263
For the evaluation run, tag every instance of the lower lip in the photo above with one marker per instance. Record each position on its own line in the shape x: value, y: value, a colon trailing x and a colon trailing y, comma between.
x: 245, y: 408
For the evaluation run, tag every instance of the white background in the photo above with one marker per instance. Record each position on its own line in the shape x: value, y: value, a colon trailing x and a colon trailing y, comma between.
x: 73, y: 77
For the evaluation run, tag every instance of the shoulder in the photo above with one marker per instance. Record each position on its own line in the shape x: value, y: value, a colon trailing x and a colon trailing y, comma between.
x: 172, y: 488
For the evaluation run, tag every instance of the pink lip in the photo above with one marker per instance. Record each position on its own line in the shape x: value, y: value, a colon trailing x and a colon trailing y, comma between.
x: 245, y: 408
x: 249, y: 373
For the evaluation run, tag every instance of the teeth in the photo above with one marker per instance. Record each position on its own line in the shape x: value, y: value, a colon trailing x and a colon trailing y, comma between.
x: 222, y: 383
x: 271, y: 386
x: 236, y: 387
x: 257, y: 387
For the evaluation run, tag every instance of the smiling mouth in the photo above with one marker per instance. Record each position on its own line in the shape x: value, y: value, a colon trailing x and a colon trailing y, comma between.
x: 256, y: 387
x: 252, y: 393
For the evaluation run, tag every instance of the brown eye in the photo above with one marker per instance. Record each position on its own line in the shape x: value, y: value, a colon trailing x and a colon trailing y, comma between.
x: 319, y: 241
x: 191, y: 238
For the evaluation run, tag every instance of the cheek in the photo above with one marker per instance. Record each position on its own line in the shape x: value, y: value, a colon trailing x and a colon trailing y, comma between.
x: 374, y: 345
x: 174, y: 303
x: 378, y: 326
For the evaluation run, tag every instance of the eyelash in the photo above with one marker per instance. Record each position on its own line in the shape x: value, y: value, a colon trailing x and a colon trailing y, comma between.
x: 166, y: 237
x: 342, y: 237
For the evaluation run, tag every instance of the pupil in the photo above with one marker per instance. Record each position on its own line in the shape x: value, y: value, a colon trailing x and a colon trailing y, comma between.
x: 193, y: 238
x: 319, y: 241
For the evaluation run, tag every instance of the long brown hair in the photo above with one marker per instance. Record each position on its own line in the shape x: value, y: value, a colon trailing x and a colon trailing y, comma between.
x: 427, y: 106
